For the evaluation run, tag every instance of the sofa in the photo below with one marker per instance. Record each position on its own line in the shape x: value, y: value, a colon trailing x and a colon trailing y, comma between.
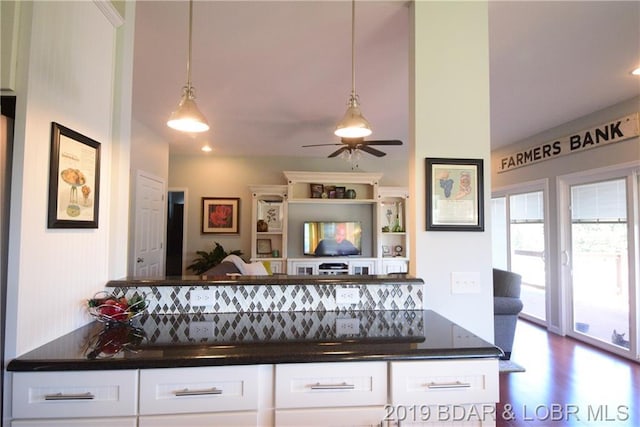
x: 233, y: 264
x: 506, y: 307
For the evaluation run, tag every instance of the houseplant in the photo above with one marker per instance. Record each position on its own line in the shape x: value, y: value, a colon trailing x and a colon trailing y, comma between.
x: 205, y: 260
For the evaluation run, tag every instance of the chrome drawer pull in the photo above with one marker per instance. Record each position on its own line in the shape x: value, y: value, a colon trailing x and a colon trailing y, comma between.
x: 187, y: 392
x: 78, y: 396
x: 342, y: 386
x: 456, y: 384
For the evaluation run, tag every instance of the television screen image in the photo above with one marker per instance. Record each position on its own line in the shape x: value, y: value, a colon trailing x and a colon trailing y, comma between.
x: 332, y: 238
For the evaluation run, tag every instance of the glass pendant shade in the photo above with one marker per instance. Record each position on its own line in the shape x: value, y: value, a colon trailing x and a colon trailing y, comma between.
x: 353, y: 124
x: 188, y: 118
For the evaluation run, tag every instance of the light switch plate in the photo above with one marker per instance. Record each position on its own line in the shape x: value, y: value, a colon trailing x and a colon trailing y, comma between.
x: 465, y: 283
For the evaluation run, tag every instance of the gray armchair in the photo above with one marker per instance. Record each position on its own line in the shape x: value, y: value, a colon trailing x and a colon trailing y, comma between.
x: 506, y: 307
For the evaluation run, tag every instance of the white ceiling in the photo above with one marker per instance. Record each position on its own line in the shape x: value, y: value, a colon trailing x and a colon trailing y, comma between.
x: 272, y: 76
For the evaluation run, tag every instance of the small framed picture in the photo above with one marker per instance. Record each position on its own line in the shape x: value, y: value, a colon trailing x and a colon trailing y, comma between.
x: 264, y: 246
x: 316, y: 190
x: 386, y: 250
x: 220, y: 215
x: 454, y: 194
x: 340, y: 192
x: 74, y: 179
x: 271, y: 211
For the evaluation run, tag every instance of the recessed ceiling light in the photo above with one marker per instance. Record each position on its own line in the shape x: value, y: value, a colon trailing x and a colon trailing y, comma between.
x: 636, y: 72
x: 207, y: 149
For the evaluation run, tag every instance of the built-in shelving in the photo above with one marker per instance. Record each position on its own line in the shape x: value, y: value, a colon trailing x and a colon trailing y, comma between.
x: 389, y: 239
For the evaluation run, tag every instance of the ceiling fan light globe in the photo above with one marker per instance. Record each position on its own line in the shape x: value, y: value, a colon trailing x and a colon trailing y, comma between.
x: 353, y: 124
x: 188, y: 118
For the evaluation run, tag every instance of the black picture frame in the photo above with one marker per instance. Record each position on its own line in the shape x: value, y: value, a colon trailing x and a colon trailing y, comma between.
x: 455, y: 194
x: 74, y: 179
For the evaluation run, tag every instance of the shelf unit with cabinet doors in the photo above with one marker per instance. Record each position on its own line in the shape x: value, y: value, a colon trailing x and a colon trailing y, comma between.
x: 269, y: 238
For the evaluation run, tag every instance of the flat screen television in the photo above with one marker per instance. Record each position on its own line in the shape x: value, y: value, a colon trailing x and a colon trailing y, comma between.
x: 332, y: 238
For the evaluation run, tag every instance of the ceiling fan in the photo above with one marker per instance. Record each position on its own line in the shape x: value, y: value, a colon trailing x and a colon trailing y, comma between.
x: 350, y: 145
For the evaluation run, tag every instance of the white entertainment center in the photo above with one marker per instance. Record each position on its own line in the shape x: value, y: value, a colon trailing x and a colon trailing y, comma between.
x: 330, y: 196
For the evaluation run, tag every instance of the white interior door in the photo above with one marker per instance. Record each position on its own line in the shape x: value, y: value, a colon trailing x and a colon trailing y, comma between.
x: 149, y: 226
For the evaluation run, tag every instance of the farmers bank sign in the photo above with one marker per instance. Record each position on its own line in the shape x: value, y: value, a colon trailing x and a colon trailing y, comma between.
x: 614, y: 131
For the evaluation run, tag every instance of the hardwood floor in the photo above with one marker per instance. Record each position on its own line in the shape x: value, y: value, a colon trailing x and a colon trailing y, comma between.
x: 567, y: 383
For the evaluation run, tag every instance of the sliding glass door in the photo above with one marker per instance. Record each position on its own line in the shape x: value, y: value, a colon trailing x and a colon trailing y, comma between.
x: 599, y: 260
x: 528, y: 250
x: 518, y: 239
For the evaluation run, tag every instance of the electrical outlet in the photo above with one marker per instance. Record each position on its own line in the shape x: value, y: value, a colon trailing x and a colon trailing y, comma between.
x: 201, y: 297
x: 347, y: 326
x: 465, y: 283
x: 201, y: 330
x: 347, y: 296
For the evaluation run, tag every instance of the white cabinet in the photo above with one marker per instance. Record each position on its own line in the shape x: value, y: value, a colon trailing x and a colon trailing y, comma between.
x: 202, y: 389
x: 74, y: 394
x: 201, y: 420
x: 332, y: 266
x: 302, y: 268
x: 322, y: 394
x: 444, y: 392
x: 362, y: 266
x: 78, y: 422
x: 394, y: 265
x: 352, y: 393
x: 330, y: 417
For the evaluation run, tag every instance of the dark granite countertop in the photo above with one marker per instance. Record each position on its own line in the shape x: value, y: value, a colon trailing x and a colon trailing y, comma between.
x: 276, y: 279
x: 163, y: 341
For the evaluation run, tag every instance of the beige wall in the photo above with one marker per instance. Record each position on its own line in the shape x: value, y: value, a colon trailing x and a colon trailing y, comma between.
x: 450, y: 116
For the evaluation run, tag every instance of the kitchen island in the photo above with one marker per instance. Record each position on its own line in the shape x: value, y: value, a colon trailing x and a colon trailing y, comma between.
x: 311, y: 367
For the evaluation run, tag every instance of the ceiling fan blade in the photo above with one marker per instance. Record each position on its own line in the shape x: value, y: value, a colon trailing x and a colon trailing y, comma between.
x: 338, y: 152
x: 373, y: 151
x: 383, y: 142
x: 318, y: 145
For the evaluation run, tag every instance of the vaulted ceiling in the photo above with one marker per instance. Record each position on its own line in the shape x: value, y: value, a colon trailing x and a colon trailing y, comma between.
x: 272, y: 76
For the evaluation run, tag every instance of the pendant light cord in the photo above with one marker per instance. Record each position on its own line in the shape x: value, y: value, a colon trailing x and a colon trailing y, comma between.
x: 188, y: 87
x: 353, y: 49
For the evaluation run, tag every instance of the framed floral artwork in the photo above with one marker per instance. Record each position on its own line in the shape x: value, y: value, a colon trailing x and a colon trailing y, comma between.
x: 220, y: 215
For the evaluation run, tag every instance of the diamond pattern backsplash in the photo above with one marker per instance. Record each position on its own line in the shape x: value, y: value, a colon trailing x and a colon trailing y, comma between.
x: 220, y: 328
x: 274, y: 298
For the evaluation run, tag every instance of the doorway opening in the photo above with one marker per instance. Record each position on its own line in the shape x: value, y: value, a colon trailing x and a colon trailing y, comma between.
x: 175, y: 233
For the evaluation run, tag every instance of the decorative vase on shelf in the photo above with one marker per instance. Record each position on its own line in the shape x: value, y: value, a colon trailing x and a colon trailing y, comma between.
x: 350, y: 193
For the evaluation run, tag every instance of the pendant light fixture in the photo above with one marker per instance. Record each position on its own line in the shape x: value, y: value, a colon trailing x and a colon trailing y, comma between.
x: 353, y: 124
x: 188, y: 118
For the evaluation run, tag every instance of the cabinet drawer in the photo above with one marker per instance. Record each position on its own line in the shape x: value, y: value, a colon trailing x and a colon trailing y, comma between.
x: 329, y: 417
x: 444, y: 382
x: 309, y: 385
x: 78, y: 422
x: 208, y: 389
x: 74, y: 394
x: 226, y: 419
